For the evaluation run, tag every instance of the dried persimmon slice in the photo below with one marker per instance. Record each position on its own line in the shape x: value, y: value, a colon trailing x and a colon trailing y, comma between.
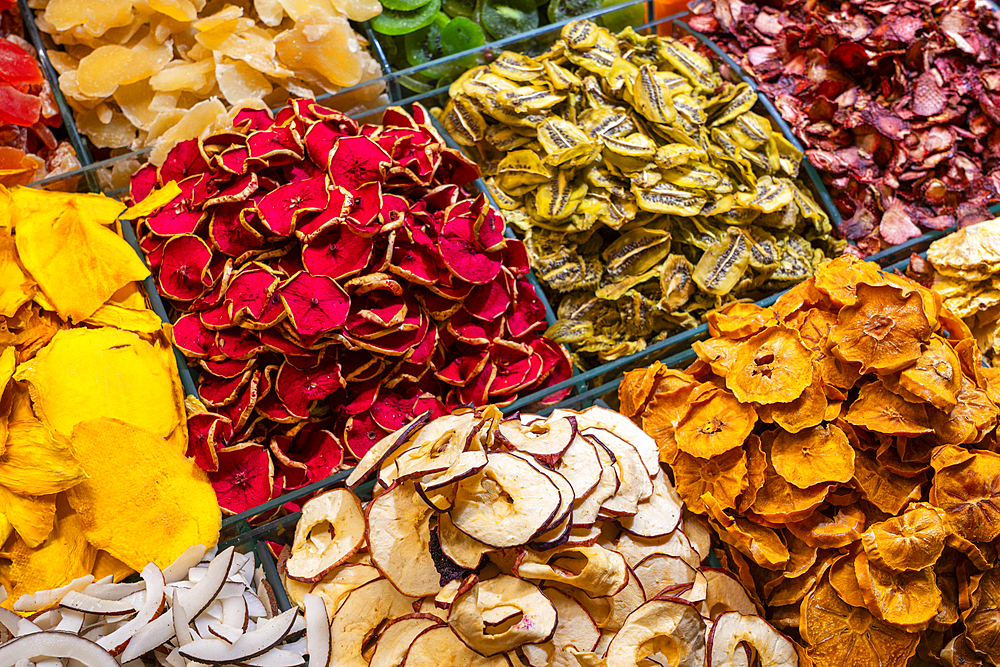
x: 771, y: 367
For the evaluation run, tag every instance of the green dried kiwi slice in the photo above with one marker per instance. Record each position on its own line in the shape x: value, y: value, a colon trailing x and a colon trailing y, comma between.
x: 559, y: 10
x: 461, y: 34
x: 425, y: 45
x: 401, y: 22
x: 506, y: 18
x: 463, y: 8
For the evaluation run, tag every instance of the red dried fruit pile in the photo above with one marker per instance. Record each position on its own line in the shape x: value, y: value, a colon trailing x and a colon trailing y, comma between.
x: 332, y: 281
x: 29, y: 150
x: 898, y: 103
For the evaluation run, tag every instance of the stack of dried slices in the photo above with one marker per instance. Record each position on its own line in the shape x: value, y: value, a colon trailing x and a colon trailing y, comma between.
x: 519, y: 541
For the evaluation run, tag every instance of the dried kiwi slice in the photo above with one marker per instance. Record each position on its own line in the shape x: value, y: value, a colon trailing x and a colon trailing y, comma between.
x: 460, y: 35
x: 401, y: 22
x: 426, y: 45
x: 464, y: 8
x: 506, y: 18
x: 404, y: 5
x: 560, y: 10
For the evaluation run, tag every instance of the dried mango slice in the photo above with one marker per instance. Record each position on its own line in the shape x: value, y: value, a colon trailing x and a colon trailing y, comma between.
x: 142, y: 502
x: 16, y: 287
x: 771, y: 367
x: 84, y: 374
x: 883, y: 331
x: 912, y: 541
x: 65, y: 555
x: 838, y: 634
x: 37, y: 462
x: 77, y: 261
x: 817, y: 455
x: 31, y: 517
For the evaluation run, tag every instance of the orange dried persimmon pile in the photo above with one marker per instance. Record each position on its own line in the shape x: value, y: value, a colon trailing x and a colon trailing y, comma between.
x: 93, y: 433
x: 842, y: 445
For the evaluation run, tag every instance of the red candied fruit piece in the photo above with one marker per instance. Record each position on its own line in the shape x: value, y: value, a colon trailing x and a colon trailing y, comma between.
x: 17, y: 67
x: 19, y: 108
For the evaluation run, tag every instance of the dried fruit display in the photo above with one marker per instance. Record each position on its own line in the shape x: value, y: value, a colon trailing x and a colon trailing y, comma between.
x: 841, y: 445
x: 155, y: 73
x: 647, y: 188
x: 29, y: 149
x: 203, y: 607
x: 898, y: 103
x: 93, y: 477
x: 332, y: 281
x: 963, y: 266
x: 521, y: 541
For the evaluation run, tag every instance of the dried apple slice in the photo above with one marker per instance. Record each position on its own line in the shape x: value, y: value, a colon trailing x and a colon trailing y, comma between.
x: 597, y: 571
x: 468, y: 464
x: 567, y: 497
x: 331, y: 530
x: 397, y: 637
x: 576, y: 631
x: 461, y: 549
x: 544, y: 439
x: 624, y: 603
x: 659, y: 515
x: 534, y: 621
x: 438, y: 646
x: 725, y: 593
x: 581, y: 466
x: 732, y: 629
x: 588, y: 508
x: 398, y: 537
x: 659, y: 572
x: 507, y: 503
x: 623, y: 427
x: 669, y: 627
x: 635, y: 485
x: 435, y: 448
x: 337, y: 585
x: 27, y: 648
x: 383, y: 450
x: 360, y: 615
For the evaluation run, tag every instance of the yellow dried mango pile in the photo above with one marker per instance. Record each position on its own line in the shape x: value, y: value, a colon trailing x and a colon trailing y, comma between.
x: 93, y: 477
x: 842, y: 445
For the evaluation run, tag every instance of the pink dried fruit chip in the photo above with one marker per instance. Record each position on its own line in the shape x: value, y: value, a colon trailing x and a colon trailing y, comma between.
x: 336, y: 281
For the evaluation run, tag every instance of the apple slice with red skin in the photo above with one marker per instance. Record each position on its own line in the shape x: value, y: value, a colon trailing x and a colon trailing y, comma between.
x: 383, y: 450
x: 330, y: 531
x: 597, y: 571
x: 438, y: 646
x: 658, y: 516
x: 587, y: 509
x: 433, y: 449
x: 621, y: 426
x: 725, y: 593
x: 732, y: 629
x: 463, y: 550
x: 397, y: 637
x: 533, y: 621
x: 398, y: 532
x: 576, y: 631
x: 544, y: 439
x: 669, y: 626
x: 360, y: 615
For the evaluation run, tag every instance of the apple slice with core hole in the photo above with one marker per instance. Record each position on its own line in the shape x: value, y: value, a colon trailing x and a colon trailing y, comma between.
x: 331, y: 530
x: 576, y: 631
x: 533, y: 620
x: 732, y: 629
x: 398, y: 535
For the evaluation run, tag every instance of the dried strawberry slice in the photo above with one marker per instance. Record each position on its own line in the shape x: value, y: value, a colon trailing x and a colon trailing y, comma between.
x: 254, y: 119
x: 279, y: 209
x: 315, y: 304
x: 220, y: 274
x: 462, y: 370
x: 274, y: 145
x: 528, y: 313
x: 455, y: 168
x: 273, y: 314
x: 244, y: 478
x: 488, y: 302
x: 275, y: 342
x: 233, y: 160
x: 143, y: 182
x: 357, y: 161
x: 415, y: 263
x: 296, y: 389
x: 237, y: 343
x: 19, y: 108
x: 360, y: 433
x: 207, y: 432
x: 366, y: 206
x: 192, y: 338
x: 273, y: 409
x: 228, y: 233
x: 184, y: 268
x: 337, y: 253
x: 17, y: 67
x: 460, y: 252
x: 216, y: 391
x: 185, y: 160
x: 474, y: 331
x: 556, y: 367
x: 394, y: 212
x: 250, y: 292
x: 394, y: 344
x: 361, y: 396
